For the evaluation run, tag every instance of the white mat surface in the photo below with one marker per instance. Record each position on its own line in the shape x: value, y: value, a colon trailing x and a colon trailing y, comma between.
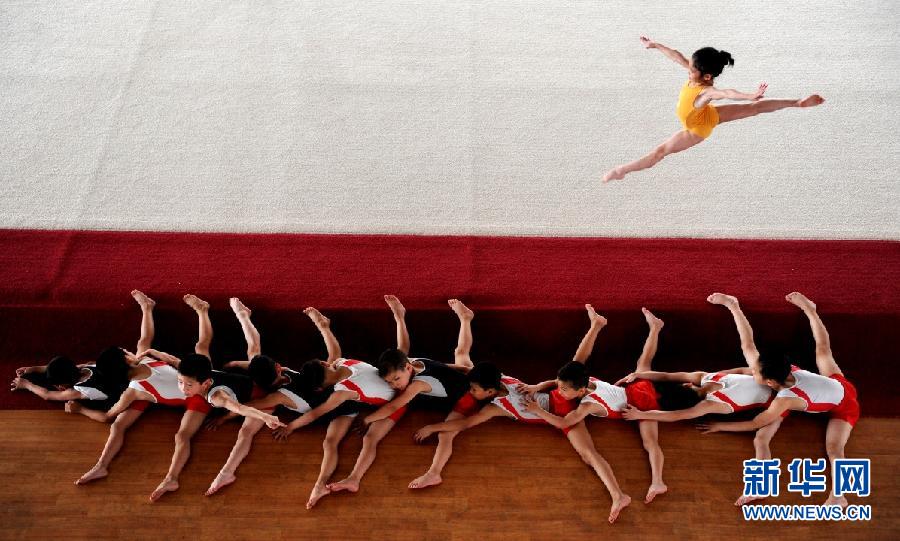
x: 494, y: 117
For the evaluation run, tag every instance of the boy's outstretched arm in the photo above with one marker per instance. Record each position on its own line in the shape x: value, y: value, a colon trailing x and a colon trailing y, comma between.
x: 698, y: 410
x: 679, y: 377
x: 672, y: 54
x: 22, y: 383
x: 394, y: 405
x: 171, y: 360
x: 772, y: 414
x: 571, y: 419
x: 488, y: 412
x: 221, y: 399
x: 336, y: 399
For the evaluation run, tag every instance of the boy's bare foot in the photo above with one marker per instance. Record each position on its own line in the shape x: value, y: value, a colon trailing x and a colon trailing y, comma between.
x: 196, y: 302
x: 596, y: 319
x: 348, y: 484
x: 654, y: 491
x: 617, y: 507
x: 653, y: 321
x: 142, y: 299
x: 396, y: 306
x: 462, y: 311
x: 221, y: 481
x: 427, y: 480
x: 842, y: 501
x: 723, y: 299
x: 613, y: 174
x: 318, y: 492
x: 811, y: 101
x: 168, y: 485
x: 744, y: 500
x: 239, y: 308
x: 317, y: 318
x: 800, y: 301
x: 97, y: 472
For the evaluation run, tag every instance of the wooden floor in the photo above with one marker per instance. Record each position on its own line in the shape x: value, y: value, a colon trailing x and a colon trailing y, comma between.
x: 505, y: 481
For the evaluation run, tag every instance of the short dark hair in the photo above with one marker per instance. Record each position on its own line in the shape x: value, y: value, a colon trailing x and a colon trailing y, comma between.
x: 711, y: 61
x: 263, y: 371
x: 196, y: 366
x: 486, y: 375
x: 673, y: 396
x: 312, y: 375
x: 112, y: 365
x: 575, y: 374
x: 391, y: 360
x: 62, y: 371
x: 774, y: 367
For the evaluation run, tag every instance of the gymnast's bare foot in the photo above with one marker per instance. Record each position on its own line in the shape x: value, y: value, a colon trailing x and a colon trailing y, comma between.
x: 317, y: 318
x: 596, y: 319
x: 617, y: 506
x: 146, y: 302
x: 396, y: 306
x: 613, y: 174
x: 653, y: 321
x: 811, y: 101
x: 97, y: 472
x: 318, y: 492
x: 462, y: 311
x: 351, y: 485
x: 168, y: 485
x: 239, y: 308
x: 800, y: 301
x: 221, y: 481
x: 723, y: 299
x: 196, y: 303
x: 654, y: 491
x: 427, y: 480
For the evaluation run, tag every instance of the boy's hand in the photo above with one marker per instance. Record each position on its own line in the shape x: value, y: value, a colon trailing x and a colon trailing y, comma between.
x: 708, y: 428
x: 24, y: 370
x: 627, y: 379
x: 527, y: 389
x: 281, y: 433
x: 760, y: 91
x: 272, y: 421
x: 423, y: 433
x: 73, y: 407
x: 531, y: 404
x: 19, y: 383
x: 648, y: 43
x: 632, y: 413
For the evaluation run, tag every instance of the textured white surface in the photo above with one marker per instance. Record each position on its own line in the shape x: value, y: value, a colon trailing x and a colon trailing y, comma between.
x: 493, y: 117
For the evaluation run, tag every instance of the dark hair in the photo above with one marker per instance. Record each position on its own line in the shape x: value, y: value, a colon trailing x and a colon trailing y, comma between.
x: 674, y: 396
x: 486, y: 375
x: 391, y: 360
x: 263, y: 371
x: 575, y: 374
x: 312, y: 375
x: 710, y: 61
x: 196, y: 366
x: 774, y: 367
x: 62, y: 371
x: 112, y: 365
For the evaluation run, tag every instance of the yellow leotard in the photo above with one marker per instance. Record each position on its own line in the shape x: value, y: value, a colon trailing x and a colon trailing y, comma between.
x: 697, y: 121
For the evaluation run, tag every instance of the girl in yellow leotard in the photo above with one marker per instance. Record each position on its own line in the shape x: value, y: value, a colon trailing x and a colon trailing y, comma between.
x: 697, y: 114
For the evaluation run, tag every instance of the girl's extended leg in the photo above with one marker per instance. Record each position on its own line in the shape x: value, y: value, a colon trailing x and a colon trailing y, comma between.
x: 238, y: 453
x: 836, y: 436
x: 441, y: 456
x: 205, y: 332
x: 399, y: 312
x: 461, y: 355
x: 650, y: 437
x: 682, y: 140
x: 737, y: 111
x: 763, y: 452
x: 650, y: 344
x: 584, y: 445
x: 147, y: 328
x: 587, y: 343
x: 337, y: 429
x: 251, y: 335
x: 824, y: 359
